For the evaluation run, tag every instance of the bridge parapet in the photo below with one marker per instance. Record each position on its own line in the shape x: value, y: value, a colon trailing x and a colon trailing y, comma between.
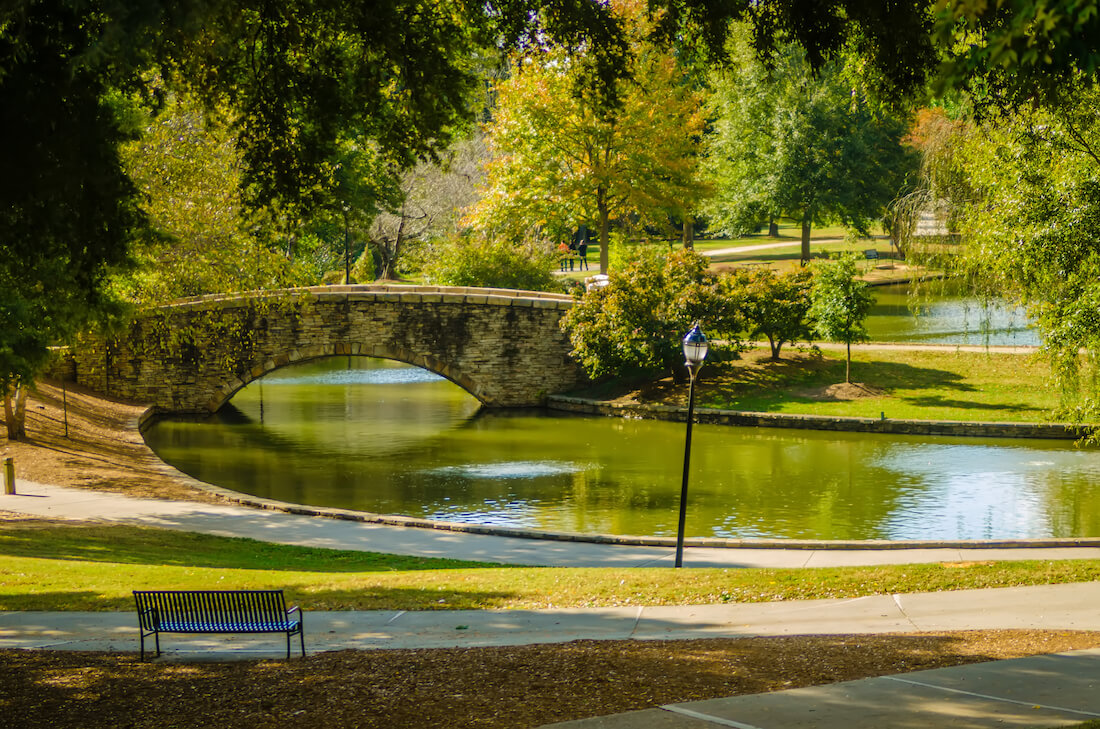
x: 505, y: 347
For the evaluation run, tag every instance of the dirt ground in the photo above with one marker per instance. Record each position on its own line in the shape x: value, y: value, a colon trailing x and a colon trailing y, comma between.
x: 75, y: 438
x: 494, y: 688
x: 497, y: 688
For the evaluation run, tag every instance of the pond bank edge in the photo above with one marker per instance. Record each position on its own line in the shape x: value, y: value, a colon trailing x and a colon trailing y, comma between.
x: 236, y: 497
x: 956, y: 428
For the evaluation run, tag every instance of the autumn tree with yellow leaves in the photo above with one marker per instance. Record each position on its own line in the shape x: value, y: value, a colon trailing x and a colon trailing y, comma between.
x: 562, y: 156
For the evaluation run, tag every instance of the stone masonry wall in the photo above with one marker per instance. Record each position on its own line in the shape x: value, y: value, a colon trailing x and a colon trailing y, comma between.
x: 504, y: 347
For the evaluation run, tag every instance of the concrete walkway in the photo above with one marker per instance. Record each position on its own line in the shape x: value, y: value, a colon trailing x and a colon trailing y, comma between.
x: 1038, y: 692
x: 1053, y: 607
x: 1043, y: 691
x: 281, y: 527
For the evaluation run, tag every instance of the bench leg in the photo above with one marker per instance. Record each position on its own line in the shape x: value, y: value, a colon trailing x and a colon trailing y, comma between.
x: 156, y: 641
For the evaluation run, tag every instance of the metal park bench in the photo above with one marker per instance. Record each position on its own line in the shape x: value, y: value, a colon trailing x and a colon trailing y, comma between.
x: 871, y: 254
x: 216, y: 611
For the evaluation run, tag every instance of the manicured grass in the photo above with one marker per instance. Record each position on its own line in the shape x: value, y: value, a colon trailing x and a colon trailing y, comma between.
x: 76, y: 567
x: 915, y: 384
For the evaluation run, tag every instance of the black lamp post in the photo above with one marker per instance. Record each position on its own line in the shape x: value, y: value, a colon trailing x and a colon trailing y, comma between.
x: 695, y: 351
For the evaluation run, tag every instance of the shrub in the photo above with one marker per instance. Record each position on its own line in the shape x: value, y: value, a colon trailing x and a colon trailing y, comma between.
x: 775, y: 306
x: 640, y: 317
x: 468, y: 261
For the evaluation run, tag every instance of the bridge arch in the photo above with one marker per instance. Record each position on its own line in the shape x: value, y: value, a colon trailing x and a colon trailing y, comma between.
x: 504, y: 347
x: 224, y: 392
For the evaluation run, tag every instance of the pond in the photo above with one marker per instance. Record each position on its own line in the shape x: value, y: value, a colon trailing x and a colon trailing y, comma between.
x: 946, y: 315
x: 383, y: 437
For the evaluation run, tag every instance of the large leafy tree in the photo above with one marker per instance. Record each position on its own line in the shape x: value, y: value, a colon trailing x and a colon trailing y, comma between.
x: 201, y: 238
x: 1029, y: 219
x: 561, y: 160
x: 293, y: 77
x: 67, y: 208
x: 813, y: 148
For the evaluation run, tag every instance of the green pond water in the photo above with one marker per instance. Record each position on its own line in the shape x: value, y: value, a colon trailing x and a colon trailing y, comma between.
x: 383, y: 437
x: 945, y: 314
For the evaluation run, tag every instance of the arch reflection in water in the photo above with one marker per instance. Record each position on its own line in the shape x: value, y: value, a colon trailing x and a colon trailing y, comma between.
x: 386, y: 438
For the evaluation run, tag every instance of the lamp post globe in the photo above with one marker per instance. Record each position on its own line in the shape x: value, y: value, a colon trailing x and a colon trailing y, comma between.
x: 695, y: 348
x: 695, y: 351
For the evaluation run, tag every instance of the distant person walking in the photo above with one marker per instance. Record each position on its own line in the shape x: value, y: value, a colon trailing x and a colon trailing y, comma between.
x: 580, y: 240
x: 566, y: 256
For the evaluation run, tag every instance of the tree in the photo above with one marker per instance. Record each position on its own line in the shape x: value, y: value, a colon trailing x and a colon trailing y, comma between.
x: 201, y: 239
x: 775, y: 305
x: 67, y: 208
x: 839, y: 305
x: 815, y: 148
x: 363, y: 185
x: 1029, y: 221
x: 638, y: 320
x: 295, y: 75
x: 560, y: 160
x: 431, y: 199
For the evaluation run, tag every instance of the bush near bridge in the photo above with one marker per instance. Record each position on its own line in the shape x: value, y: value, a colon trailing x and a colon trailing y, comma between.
x: 639, y: 318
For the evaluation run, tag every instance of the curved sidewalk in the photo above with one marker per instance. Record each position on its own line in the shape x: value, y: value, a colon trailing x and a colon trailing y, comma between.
x: 313, y: 531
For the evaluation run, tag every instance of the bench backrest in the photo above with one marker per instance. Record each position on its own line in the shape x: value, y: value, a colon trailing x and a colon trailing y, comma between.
x: 210, y: 607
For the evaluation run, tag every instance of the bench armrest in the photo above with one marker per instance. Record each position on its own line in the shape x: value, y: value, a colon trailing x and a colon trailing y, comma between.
x: 152, y: 614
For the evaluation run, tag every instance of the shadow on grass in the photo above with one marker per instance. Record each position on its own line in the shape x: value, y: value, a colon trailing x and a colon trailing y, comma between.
x: 936, y: 401
x: 785, y: 378
x: 148, y: 546
x: 369, y: 597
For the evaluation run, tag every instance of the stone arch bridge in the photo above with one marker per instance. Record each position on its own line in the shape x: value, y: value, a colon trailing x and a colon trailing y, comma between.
x: 505, y: 347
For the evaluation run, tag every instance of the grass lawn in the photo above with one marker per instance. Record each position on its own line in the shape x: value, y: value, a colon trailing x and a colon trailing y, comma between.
x: 906, y: 384
x: 81, y: 567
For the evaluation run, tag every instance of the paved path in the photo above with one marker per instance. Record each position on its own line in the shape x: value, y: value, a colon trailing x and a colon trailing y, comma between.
x: 1037, y: 692
x: 1040, y: 691
x: 1056, y: 607
x: 286, y: 528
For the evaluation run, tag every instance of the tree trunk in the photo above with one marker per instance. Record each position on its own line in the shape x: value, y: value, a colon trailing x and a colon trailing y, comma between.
x: 601, y: 206
x: 806, y: 222
x: 15, y: 413
x: 773, y: 228
x: 688, y: 237
x: 776, y: 345
x: 385, y: 265
x: 848, y: 363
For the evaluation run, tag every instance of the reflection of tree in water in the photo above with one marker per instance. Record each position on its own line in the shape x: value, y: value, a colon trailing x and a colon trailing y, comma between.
x: 604, y: 475
x: 942, y: 312
x: 1073, y: 506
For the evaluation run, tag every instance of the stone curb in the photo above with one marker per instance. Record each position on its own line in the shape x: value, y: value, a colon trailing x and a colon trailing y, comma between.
x: 1058, y: 431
